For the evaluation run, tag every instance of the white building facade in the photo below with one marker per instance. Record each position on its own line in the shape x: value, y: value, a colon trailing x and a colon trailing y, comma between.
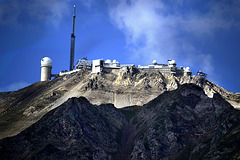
x: 84, y: 63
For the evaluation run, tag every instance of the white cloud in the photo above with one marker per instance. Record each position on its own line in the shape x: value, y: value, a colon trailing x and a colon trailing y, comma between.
x: 14, y: 86
x: 154, y: 31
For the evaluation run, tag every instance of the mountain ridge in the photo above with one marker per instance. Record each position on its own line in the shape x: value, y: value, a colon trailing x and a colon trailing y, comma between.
x: 18, y: 110
x: 179, y: 123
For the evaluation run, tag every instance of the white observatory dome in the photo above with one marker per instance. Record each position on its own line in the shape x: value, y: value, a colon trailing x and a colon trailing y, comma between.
x: 154, y: 62
x: 46, y: 61
x: 188, y: 69
x: 114, y: 61
x: 172, y: 62
x: 108, y: 61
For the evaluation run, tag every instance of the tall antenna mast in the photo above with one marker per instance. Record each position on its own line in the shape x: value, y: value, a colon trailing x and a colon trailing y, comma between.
x: 72, y: 51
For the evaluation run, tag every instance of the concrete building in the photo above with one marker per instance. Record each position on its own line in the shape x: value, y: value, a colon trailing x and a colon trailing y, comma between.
x: 115, y: 67
x: 169, y: 68
x: 64, y: 72
x: 46, y: 69
x: 97, y: 65
x: 84, y: 63
x: 113, y: 64
x: 107, y: 66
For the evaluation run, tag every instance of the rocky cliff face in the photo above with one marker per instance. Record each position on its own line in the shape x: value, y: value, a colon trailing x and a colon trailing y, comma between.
x: 180, y: 124
x: 75, y: 130
x: 18, y: 110
x: 186, y: 124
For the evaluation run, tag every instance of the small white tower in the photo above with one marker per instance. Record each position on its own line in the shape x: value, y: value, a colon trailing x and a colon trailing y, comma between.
x: 46, y: 69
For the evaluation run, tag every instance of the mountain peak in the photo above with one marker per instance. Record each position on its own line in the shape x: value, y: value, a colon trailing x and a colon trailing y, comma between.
x: 20, y: 109
x: 176, y: 124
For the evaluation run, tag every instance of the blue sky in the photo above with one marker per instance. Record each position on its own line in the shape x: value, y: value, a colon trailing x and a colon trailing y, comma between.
x: 203, y: 35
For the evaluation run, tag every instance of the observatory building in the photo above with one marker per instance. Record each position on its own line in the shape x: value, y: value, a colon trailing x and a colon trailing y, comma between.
x: 108, y: 66
x: 84, y: 63
x: 97, y: 65
x: 114, y: 66
x: 169, y: 68
x: 46, y: 69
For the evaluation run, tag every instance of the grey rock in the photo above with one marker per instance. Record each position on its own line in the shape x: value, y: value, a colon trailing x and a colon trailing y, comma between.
x: 179, y: 124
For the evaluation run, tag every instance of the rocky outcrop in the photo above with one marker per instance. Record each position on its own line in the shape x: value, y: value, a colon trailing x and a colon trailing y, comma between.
x: 138, y: 88
x: 180, y: 124
x: 75, y: 130
x: 186, y: 124
x: 18, y: 110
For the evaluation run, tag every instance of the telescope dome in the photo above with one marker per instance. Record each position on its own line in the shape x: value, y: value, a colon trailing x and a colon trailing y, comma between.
x: 154, y: 62
x: 108, y: 61
x: 172, y: 62
x: 46, y: 61
x: 188, y: 69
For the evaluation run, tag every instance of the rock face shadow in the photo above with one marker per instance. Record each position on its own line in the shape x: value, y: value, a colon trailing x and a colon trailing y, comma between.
x: 180, y: 123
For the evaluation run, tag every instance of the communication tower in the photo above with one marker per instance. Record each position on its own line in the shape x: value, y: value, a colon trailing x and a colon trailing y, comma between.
x: 72, y: 51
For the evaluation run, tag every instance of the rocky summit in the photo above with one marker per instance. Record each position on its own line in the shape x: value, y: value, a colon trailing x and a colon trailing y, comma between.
x: 185, y: 123
x: 21, y: 109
